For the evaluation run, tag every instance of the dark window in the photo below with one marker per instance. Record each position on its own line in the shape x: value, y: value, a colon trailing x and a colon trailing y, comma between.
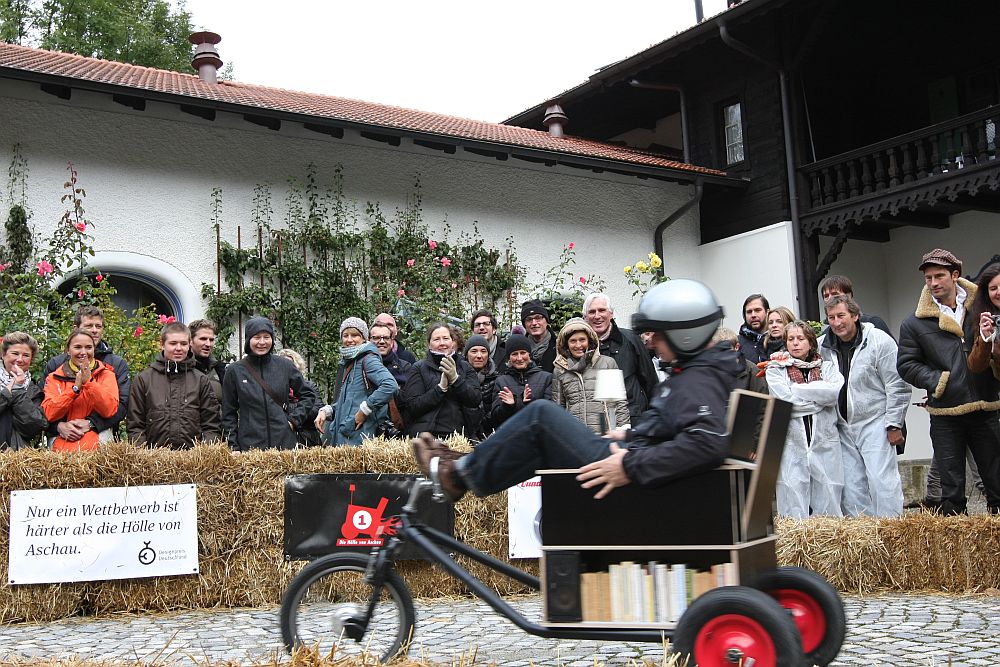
x: 132, y: 294
x: 732, y: 133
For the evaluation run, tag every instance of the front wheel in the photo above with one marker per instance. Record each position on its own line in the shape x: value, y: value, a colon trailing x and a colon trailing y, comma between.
x: 734, y: 625
x: 326, y: 606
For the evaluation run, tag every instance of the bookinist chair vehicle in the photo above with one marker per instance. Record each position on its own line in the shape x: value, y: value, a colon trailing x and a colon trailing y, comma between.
x: 720, y: 520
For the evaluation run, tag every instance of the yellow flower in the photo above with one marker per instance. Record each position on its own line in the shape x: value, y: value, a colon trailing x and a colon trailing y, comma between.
x: 628, y: 269
x: 655, y: 261
x: 642, y: 267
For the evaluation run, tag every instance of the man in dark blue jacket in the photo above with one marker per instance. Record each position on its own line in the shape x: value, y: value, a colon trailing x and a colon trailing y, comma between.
x: 683, y: 431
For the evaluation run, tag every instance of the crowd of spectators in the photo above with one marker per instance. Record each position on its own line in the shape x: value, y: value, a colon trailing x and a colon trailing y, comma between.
x: 850, y: 387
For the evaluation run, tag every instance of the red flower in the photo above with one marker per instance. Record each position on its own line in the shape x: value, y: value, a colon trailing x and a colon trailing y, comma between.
x: 411, y: 262
x: 164, y: 319
x: 44, y: 268
x: 571, y: 245
x: 99, y: 277
x: 79, y: 293
x: 401, y: 292
x: 437, y: 289
x: 432, y: 244
x: 445, y: 261
x: 137, y: 332
x: 583, y: 280
x: 313, y: 334
x: 454, y: 285
x: 81, y: 227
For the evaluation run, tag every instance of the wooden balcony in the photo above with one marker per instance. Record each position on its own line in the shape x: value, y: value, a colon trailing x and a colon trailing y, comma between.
x: 918, y: 178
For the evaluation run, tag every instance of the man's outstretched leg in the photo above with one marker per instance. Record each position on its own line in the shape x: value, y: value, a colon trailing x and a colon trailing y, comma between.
x: 542, y: 435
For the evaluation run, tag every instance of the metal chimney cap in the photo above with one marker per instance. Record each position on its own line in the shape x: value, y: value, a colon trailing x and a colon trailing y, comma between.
x: 206, y: 57
x: 554, y: 113
x: 204, y: 37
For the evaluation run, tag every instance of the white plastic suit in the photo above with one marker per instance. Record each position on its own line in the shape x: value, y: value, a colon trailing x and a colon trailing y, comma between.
x: 877, y: 398
x: 812, y: 473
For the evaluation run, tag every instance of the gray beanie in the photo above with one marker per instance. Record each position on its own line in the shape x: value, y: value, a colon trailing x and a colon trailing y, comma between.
x: 476, y: 340
x: 354, y: 323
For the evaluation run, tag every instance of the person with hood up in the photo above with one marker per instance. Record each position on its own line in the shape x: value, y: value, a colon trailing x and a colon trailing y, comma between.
x: 21, y: 416
x: 256, y: 409
x: 439, y: 388
x: 80, y: 387
x: 171, y: 402
x: 477, y: 419
x: 521, y: 383
x: 683, y: 431
x: 577, y: 361
x: 364, y: 388
x: 811, y: 476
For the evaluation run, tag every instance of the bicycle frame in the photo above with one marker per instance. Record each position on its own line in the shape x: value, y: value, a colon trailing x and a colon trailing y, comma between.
x: 438, y: 547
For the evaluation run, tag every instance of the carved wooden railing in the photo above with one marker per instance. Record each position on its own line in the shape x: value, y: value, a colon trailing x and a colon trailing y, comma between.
x: 930, y: 151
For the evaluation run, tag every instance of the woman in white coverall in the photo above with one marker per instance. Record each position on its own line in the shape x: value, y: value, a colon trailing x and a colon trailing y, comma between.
x: 811, y: 476
x: 871, y: 411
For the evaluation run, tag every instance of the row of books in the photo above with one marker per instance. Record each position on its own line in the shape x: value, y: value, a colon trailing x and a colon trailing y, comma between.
x: 653, y: 592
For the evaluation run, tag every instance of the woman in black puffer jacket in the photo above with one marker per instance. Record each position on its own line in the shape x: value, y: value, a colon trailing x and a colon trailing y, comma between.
x: 439, y: 387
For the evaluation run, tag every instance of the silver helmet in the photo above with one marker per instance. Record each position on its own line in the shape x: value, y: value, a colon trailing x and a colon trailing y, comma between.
x: 684, y: 311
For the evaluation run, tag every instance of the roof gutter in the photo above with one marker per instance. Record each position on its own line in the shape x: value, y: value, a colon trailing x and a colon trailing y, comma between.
x: 513, y: 150
x: 699, y: 190
x: 808, y: 305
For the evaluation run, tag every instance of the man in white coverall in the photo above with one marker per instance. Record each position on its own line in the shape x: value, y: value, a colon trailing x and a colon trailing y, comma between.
x: 871, y: 409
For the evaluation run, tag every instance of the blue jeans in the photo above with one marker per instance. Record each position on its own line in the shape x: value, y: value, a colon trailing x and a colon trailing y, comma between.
x: 541, y: 435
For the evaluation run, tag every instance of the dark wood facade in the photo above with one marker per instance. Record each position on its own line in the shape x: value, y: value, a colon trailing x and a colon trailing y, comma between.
x: 890, y: 113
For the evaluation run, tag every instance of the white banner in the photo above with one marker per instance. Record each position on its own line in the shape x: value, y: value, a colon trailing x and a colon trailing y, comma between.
x: 524, y: 515
x: 60, y: 535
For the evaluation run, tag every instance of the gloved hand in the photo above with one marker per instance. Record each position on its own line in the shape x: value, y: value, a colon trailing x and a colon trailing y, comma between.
x: 444, y: 381
x: 449, y: 367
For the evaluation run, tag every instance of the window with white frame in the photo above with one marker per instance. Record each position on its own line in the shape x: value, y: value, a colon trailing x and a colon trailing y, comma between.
x: 732, y: 132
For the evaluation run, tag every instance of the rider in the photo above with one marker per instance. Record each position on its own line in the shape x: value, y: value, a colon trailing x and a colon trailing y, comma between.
x: 682, y: 431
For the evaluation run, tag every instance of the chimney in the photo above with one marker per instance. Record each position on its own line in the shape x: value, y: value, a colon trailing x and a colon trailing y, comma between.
x: 554, y: 120
x: 206, y: 56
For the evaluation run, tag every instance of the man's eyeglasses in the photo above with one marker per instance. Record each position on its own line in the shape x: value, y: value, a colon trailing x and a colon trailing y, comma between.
x: 380, y: 339
x: 481, y: 325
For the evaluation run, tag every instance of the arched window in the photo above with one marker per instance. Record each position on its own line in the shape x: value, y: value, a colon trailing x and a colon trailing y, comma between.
x: 132, y: 293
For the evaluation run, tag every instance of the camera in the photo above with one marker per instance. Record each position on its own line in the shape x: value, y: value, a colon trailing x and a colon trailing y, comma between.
x: 996, y: 322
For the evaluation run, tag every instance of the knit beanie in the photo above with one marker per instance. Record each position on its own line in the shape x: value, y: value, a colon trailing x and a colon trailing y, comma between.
x: 354, y: 323
x: 476, y: 340
x: 534, y: 307
x: 517, y: 342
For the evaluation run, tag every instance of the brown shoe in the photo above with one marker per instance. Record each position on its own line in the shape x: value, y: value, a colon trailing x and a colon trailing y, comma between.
x: 450, y: 481
x: 428, y: 443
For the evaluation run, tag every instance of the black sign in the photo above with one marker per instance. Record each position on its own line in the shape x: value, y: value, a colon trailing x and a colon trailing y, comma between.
x: 328, y: 513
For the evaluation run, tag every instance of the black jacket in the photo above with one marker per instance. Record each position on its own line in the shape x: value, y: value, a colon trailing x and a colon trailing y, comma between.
x: 251, y: 419
x: 399, y: 367
x: 478, y: 422
x: 215, y: 369
x: 105, y: 355
x: 21, y: 411
x: 632, y: 358
x: 547, y: 360
x: 685, y: 428
x: 515, y: 380
x: 427, y: 408
x: 752, y: 344
x: 932, y: 356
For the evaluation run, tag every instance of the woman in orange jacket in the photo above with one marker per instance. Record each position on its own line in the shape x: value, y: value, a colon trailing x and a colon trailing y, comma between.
x: 79, y: 387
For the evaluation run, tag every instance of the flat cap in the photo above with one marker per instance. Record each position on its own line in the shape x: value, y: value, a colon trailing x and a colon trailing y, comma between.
x: 939, y: 257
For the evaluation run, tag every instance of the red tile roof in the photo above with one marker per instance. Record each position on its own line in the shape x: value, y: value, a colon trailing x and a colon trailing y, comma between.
x: 250, y: 97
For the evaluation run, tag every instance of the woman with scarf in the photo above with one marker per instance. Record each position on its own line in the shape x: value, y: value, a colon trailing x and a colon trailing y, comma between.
x: 811, y: 476
x: 777, y: 319
x: 80, y: 386
x: 440, y: 386
x: 21, y: 416
x: 477, y: 419
x: 364, y: 388
x: 578, y: 358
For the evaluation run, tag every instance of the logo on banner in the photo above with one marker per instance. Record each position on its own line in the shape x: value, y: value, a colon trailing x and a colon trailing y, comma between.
x: 146, y: 555
x: 369, y: 521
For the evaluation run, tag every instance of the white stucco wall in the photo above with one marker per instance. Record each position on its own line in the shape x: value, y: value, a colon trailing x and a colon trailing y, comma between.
x: 149, y: 176
x: 887, y: 282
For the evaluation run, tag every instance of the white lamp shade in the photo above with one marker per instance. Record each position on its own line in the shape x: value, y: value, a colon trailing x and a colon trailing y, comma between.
x: 610, y: 385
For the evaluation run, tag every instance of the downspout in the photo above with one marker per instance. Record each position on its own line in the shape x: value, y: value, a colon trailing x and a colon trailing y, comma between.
x: 685, y: 141
x: 699, y: 190
x: 806, y: 296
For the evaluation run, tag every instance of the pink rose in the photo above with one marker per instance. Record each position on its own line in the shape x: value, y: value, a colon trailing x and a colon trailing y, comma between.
x: 44, y: 268
x: 99, y: 277
x: 571, y: 245
x: 432, y: 244
x: 401, y: 292
x: 164, y: 319
x: 81, y: 227
x: 454, y: 285
x: 137, y: 332
x: 411, y: 262
x: 79, y: 293
x: 437, y: 289
x: 583, y: 280
x: 445, y: 261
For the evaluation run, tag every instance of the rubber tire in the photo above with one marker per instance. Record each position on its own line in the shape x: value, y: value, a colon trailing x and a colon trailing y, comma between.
x: 756, y: 607
x: 397, y: 589
x: 824, y: 595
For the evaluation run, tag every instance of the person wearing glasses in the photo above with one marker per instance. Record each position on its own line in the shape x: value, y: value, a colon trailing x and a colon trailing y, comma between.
x: 484, y: 323
x: 387, y: 320
x: 381, y: 337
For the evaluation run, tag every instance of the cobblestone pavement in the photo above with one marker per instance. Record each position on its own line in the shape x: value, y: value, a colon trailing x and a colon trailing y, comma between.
x: 897, y: 630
